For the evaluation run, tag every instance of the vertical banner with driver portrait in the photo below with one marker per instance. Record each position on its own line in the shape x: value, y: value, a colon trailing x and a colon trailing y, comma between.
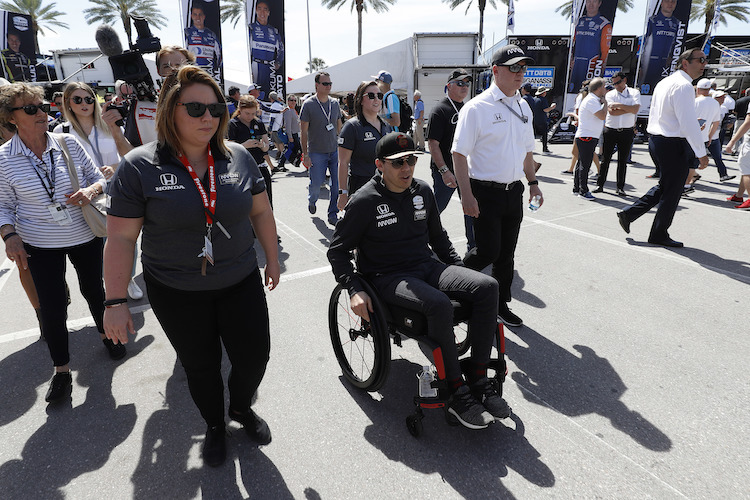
x: 17, y: 56
x: 664, y: 40
x: 202, y: 22
x: 592, y: 35
x: 266, y: 40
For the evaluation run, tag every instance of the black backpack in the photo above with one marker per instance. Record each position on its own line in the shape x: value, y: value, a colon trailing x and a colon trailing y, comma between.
x: 405, y: 113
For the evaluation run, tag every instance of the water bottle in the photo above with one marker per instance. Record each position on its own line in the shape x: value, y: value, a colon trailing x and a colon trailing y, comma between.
x: 425, y: 379
x: 534, y: 204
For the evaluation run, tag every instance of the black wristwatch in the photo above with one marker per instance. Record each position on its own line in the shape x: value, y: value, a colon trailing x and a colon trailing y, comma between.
x: 533, y: 183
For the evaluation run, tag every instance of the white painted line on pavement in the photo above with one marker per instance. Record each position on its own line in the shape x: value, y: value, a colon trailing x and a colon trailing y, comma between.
x: 288, y: 229
x: 304, y: 274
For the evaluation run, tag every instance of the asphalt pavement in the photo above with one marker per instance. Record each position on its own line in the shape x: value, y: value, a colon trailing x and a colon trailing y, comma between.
x: 627, y: 380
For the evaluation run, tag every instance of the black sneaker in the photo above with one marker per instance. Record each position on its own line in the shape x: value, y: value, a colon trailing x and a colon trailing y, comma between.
x: 485, y: 392
x: 312, y: 208
x: 215, y: 446
x: 116, y: 351
x: 507, y: 317
x: 60, y: 387
x: 255, y: 427
x: 469, y: 412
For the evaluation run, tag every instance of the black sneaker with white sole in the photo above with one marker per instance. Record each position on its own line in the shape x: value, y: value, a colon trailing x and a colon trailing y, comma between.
x: 469, y: 412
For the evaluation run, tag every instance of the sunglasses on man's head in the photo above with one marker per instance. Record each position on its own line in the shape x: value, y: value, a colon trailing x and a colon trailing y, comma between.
x: 78, y: 99
x: 409, y: 160
x: 31, y: 109
x: 373, y: 95
x: 326, y: 84
x: 198, y: 109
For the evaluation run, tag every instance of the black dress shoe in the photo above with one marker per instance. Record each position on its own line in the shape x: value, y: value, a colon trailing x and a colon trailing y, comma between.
x: 507, y: 317
x: 666, y: 242
x: 215, y: 446
x: 620, y: 192
x: 116, y: 351
x: 61, y: 386
x: 599, y: 189
x: 255, y: 427
x: 624, y: 221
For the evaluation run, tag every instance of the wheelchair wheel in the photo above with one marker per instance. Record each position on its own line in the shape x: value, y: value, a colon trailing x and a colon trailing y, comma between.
x: 414, y: 424
x: 362, y: 348
x: 461, y: 333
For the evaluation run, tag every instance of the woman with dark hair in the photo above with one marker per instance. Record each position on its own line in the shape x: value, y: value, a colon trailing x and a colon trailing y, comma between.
x: 199, y: 201
x: 42, y: 223
x: 248, y: 130
x: 357, y: 141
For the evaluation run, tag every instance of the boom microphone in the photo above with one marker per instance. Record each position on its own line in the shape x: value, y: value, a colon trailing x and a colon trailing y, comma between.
x: 108, y: 40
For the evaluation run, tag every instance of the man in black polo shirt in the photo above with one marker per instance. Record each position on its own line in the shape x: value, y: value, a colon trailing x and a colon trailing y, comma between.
x: 440, y: 129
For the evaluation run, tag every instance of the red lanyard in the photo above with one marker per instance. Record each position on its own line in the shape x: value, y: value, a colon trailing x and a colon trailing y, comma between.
x: 209, y: 200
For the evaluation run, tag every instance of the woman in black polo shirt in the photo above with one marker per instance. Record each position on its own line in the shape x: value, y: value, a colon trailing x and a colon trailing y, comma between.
x: 357, y: 141
x: 199, y: 201
x: 247, y: 129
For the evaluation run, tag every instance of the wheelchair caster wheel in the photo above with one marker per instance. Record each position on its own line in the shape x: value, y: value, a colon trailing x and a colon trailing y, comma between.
x: 414, y: 424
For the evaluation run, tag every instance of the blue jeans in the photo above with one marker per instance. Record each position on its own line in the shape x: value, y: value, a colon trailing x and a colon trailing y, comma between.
x: 714, y: 149
x: 443, y: 195
x: 322, y: 162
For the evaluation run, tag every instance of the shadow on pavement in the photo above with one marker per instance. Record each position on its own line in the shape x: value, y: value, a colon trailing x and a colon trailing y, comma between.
x: 522, y: 295
x: 74, y: 440
x: 736, y: 269
x: 170, y: 435
x: 473, y: 463
x: 325, y: 229
x: 577, y: 385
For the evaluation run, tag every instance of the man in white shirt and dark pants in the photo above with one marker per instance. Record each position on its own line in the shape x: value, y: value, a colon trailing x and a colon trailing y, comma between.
x: 674, y: 130
x: 623, y: 103
x: 591, y: 117
x: 492, y: 152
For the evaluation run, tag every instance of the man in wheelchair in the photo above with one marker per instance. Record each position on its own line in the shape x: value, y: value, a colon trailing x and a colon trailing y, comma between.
x: 394, y: 225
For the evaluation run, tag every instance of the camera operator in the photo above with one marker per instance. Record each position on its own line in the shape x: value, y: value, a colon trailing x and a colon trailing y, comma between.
x: 137, y: 117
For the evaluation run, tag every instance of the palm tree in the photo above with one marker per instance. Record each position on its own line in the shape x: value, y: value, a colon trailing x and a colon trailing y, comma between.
x: 729, y: 8
x: 566, y: 9
x: 316, y: 65
x: 107, y: 11
x: 232, y: 11
x: 41, y: 17
x: 361, y: 5
x: 481, y: 4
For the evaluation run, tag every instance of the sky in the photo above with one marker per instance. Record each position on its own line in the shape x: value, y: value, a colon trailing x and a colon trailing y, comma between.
x: 334, y: 32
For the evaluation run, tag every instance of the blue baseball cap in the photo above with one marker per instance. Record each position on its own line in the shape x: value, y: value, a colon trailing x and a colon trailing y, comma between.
x: 384, y: 77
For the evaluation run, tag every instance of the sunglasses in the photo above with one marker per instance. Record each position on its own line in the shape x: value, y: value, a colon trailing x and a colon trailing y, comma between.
x: 32, y: 109
x: 516, y: 68
x: 409, y: 160
x: 700, y: 59
x: 461, y: 83
x: 374, y: 95
x: 198, y: 109
x: 326, y: 84
x: 618, y: 82
x: 78, y: 99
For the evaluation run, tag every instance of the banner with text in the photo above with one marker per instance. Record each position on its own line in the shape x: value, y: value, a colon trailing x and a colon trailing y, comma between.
x: 18, y: 52
x: 202, y: 22
x: 266, y: 41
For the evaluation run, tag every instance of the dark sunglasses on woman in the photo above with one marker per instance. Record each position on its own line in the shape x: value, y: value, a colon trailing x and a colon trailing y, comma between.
x: 373, y: 95
x: 198, y: 109
x: 31, y: 109
x: 409, y: 160
x: 78, y: 99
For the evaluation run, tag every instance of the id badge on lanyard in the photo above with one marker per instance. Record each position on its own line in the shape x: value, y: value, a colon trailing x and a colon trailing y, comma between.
x: 59, y: 212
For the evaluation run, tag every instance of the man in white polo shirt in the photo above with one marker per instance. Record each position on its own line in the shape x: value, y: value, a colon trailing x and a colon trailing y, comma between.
x: 623, y: 103
x: 492, y: 152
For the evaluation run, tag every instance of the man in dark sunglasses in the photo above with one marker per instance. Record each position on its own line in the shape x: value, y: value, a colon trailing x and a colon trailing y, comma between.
x: 492, y: 152
x: 394, y: 224
x: 674, y: 135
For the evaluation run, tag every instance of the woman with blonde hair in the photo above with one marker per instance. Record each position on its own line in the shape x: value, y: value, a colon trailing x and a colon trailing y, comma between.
x: 200, y: 201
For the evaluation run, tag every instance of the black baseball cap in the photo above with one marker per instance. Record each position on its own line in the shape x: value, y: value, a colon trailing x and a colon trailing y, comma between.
x: 527, y: 87
x: 458, y: 74
x: 395, y: 145
x: 510, y: 55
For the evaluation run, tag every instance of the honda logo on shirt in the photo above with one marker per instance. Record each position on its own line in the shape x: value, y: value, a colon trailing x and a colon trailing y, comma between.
x: 168, y: 179
x: 383, y: 209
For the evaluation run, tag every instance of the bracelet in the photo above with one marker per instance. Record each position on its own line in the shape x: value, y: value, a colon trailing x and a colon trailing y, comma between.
x: 114, y: 302
x: 442, y: 170
x: 9, y: 235
x: 344, y: 191
x: 533, y: 183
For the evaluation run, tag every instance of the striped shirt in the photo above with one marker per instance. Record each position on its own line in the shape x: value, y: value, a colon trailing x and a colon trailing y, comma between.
x: 24, y: 199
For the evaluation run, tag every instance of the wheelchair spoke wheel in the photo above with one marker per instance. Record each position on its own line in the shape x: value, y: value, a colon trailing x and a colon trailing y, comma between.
x: 461, y: 333
x: 362, y: 348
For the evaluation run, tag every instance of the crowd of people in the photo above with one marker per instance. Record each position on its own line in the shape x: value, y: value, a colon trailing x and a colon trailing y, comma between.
x: 193, y: 185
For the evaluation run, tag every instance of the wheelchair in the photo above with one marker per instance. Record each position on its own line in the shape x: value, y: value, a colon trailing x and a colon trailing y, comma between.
x: 363, y: 348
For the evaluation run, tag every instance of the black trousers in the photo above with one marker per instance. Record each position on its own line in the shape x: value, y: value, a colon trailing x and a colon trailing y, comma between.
x: 623, y: 140
x: 586, y: 148
x: 198, y: 322
x: 542, y: 130
x: 356, y: 182
x: 47, y: 266
x: 429, y: 289
x: 672, y: 157
x: 496, y: 232
x: 267, y: 177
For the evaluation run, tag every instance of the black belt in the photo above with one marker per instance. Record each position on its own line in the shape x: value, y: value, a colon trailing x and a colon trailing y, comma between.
x: 619, y: 129
x: 497, y: 185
